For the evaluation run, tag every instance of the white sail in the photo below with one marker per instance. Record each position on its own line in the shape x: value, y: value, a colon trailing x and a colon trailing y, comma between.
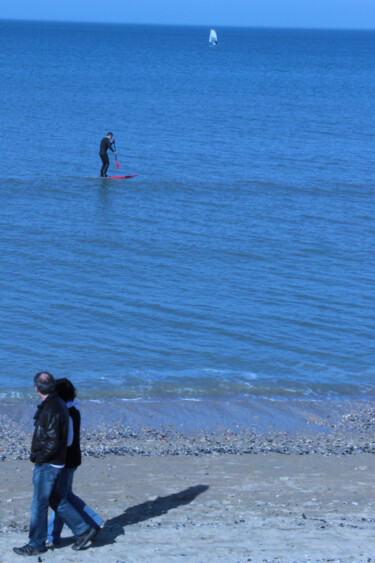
x: 213, y: 37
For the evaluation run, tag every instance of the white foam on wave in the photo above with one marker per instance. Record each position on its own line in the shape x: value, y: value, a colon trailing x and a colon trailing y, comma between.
x: 13, y: 395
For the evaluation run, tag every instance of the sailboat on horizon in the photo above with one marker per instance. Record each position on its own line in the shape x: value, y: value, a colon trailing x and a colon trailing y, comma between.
x: 213, y: 38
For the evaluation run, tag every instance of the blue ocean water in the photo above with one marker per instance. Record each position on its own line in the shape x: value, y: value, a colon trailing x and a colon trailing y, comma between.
x: 238, y: 262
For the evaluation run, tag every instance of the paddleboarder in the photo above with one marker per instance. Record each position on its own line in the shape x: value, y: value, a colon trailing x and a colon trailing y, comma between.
x: 105, y: 144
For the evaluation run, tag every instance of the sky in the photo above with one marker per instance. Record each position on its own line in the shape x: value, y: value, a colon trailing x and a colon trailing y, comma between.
x: 336, y: 14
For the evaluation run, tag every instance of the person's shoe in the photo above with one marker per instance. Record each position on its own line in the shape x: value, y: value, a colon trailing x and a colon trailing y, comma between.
x: 97, y: 530
x: 84, y: 539
x: 28, y: 550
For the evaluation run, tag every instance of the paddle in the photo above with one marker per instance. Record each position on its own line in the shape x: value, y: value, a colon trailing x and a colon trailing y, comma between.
x: 117, y: 162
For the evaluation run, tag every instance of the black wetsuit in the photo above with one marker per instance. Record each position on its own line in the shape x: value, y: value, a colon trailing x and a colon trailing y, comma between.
x: 105, y: 144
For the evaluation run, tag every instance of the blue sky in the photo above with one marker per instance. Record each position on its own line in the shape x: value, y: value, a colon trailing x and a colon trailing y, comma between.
x: 357, y: 14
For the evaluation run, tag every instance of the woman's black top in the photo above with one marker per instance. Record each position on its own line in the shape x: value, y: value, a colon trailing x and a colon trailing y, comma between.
x: 73, y: 452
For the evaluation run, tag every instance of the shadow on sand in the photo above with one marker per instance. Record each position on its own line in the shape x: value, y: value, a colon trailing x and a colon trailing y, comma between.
x: 150, y: 509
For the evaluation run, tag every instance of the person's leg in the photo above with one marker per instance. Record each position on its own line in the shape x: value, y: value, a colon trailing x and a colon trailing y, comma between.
x: 73, y: 519
x: 105, y: 167
x: 67, y: 512
x: 55, y: 526
x: 103, y: 164
x: 55, y: 523
x: 88, y: 514
x: 44, y: 478
x: 105, y: 161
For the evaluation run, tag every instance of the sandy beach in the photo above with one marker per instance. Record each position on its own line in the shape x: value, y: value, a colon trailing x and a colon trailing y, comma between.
x: 206, y: 496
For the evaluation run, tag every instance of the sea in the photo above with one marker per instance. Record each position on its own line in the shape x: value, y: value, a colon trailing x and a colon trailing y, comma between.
x: 239, y: 262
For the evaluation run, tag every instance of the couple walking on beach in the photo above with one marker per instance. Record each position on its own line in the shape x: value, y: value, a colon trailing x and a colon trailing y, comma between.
x: 55, y: 450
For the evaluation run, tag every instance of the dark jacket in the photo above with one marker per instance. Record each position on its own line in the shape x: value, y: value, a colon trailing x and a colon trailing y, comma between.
x: 105, y: 144
x: 51, y: 432
x: 73, y: 453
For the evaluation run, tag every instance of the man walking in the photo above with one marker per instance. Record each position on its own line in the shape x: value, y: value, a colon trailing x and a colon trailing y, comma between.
x: 106, y: 144
x: 48, y: 452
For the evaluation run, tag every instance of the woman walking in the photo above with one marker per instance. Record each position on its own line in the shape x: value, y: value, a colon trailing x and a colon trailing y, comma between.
x: 67, y: 392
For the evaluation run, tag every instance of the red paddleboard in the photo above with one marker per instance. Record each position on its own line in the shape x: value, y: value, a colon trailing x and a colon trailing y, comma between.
x: 121, y: 177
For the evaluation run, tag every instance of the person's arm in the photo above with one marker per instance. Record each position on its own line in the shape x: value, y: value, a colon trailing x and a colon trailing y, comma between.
x: 70, y: 432
x: 110, y: 145
x: 113, y: 143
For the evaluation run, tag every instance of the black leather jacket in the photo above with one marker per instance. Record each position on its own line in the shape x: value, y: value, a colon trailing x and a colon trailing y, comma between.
x: 51, y: 432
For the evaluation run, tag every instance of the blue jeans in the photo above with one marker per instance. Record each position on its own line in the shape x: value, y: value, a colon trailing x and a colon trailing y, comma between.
x: 64, y: 488
x: 45, y: 494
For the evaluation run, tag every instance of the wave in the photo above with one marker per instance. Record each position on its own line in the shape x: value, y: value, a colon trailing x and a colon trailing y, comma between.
x: 207, y: 383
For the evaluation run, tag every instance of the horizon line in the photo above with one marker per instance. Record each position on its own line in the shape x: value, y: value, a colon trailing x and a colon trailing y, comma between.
x: 206, y: 25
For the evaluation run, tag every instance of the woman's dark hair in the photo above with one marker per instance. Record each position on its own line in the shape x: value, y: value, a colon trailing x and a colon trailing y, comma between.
x: 65, y: 389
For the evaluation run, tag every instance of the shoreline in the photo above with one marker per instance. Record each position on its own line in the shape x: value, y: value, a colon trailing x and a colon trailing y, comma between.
x: 206, y: 427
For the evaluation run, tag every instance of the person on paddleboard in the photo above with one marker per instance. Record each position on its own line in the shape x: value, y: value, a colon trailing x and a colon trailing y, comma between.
x: 105, y: 144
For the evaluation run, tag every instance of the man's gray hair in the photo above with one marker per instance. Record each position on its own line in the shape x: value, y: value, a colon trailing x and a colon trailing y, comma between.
x: 45, y: 383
